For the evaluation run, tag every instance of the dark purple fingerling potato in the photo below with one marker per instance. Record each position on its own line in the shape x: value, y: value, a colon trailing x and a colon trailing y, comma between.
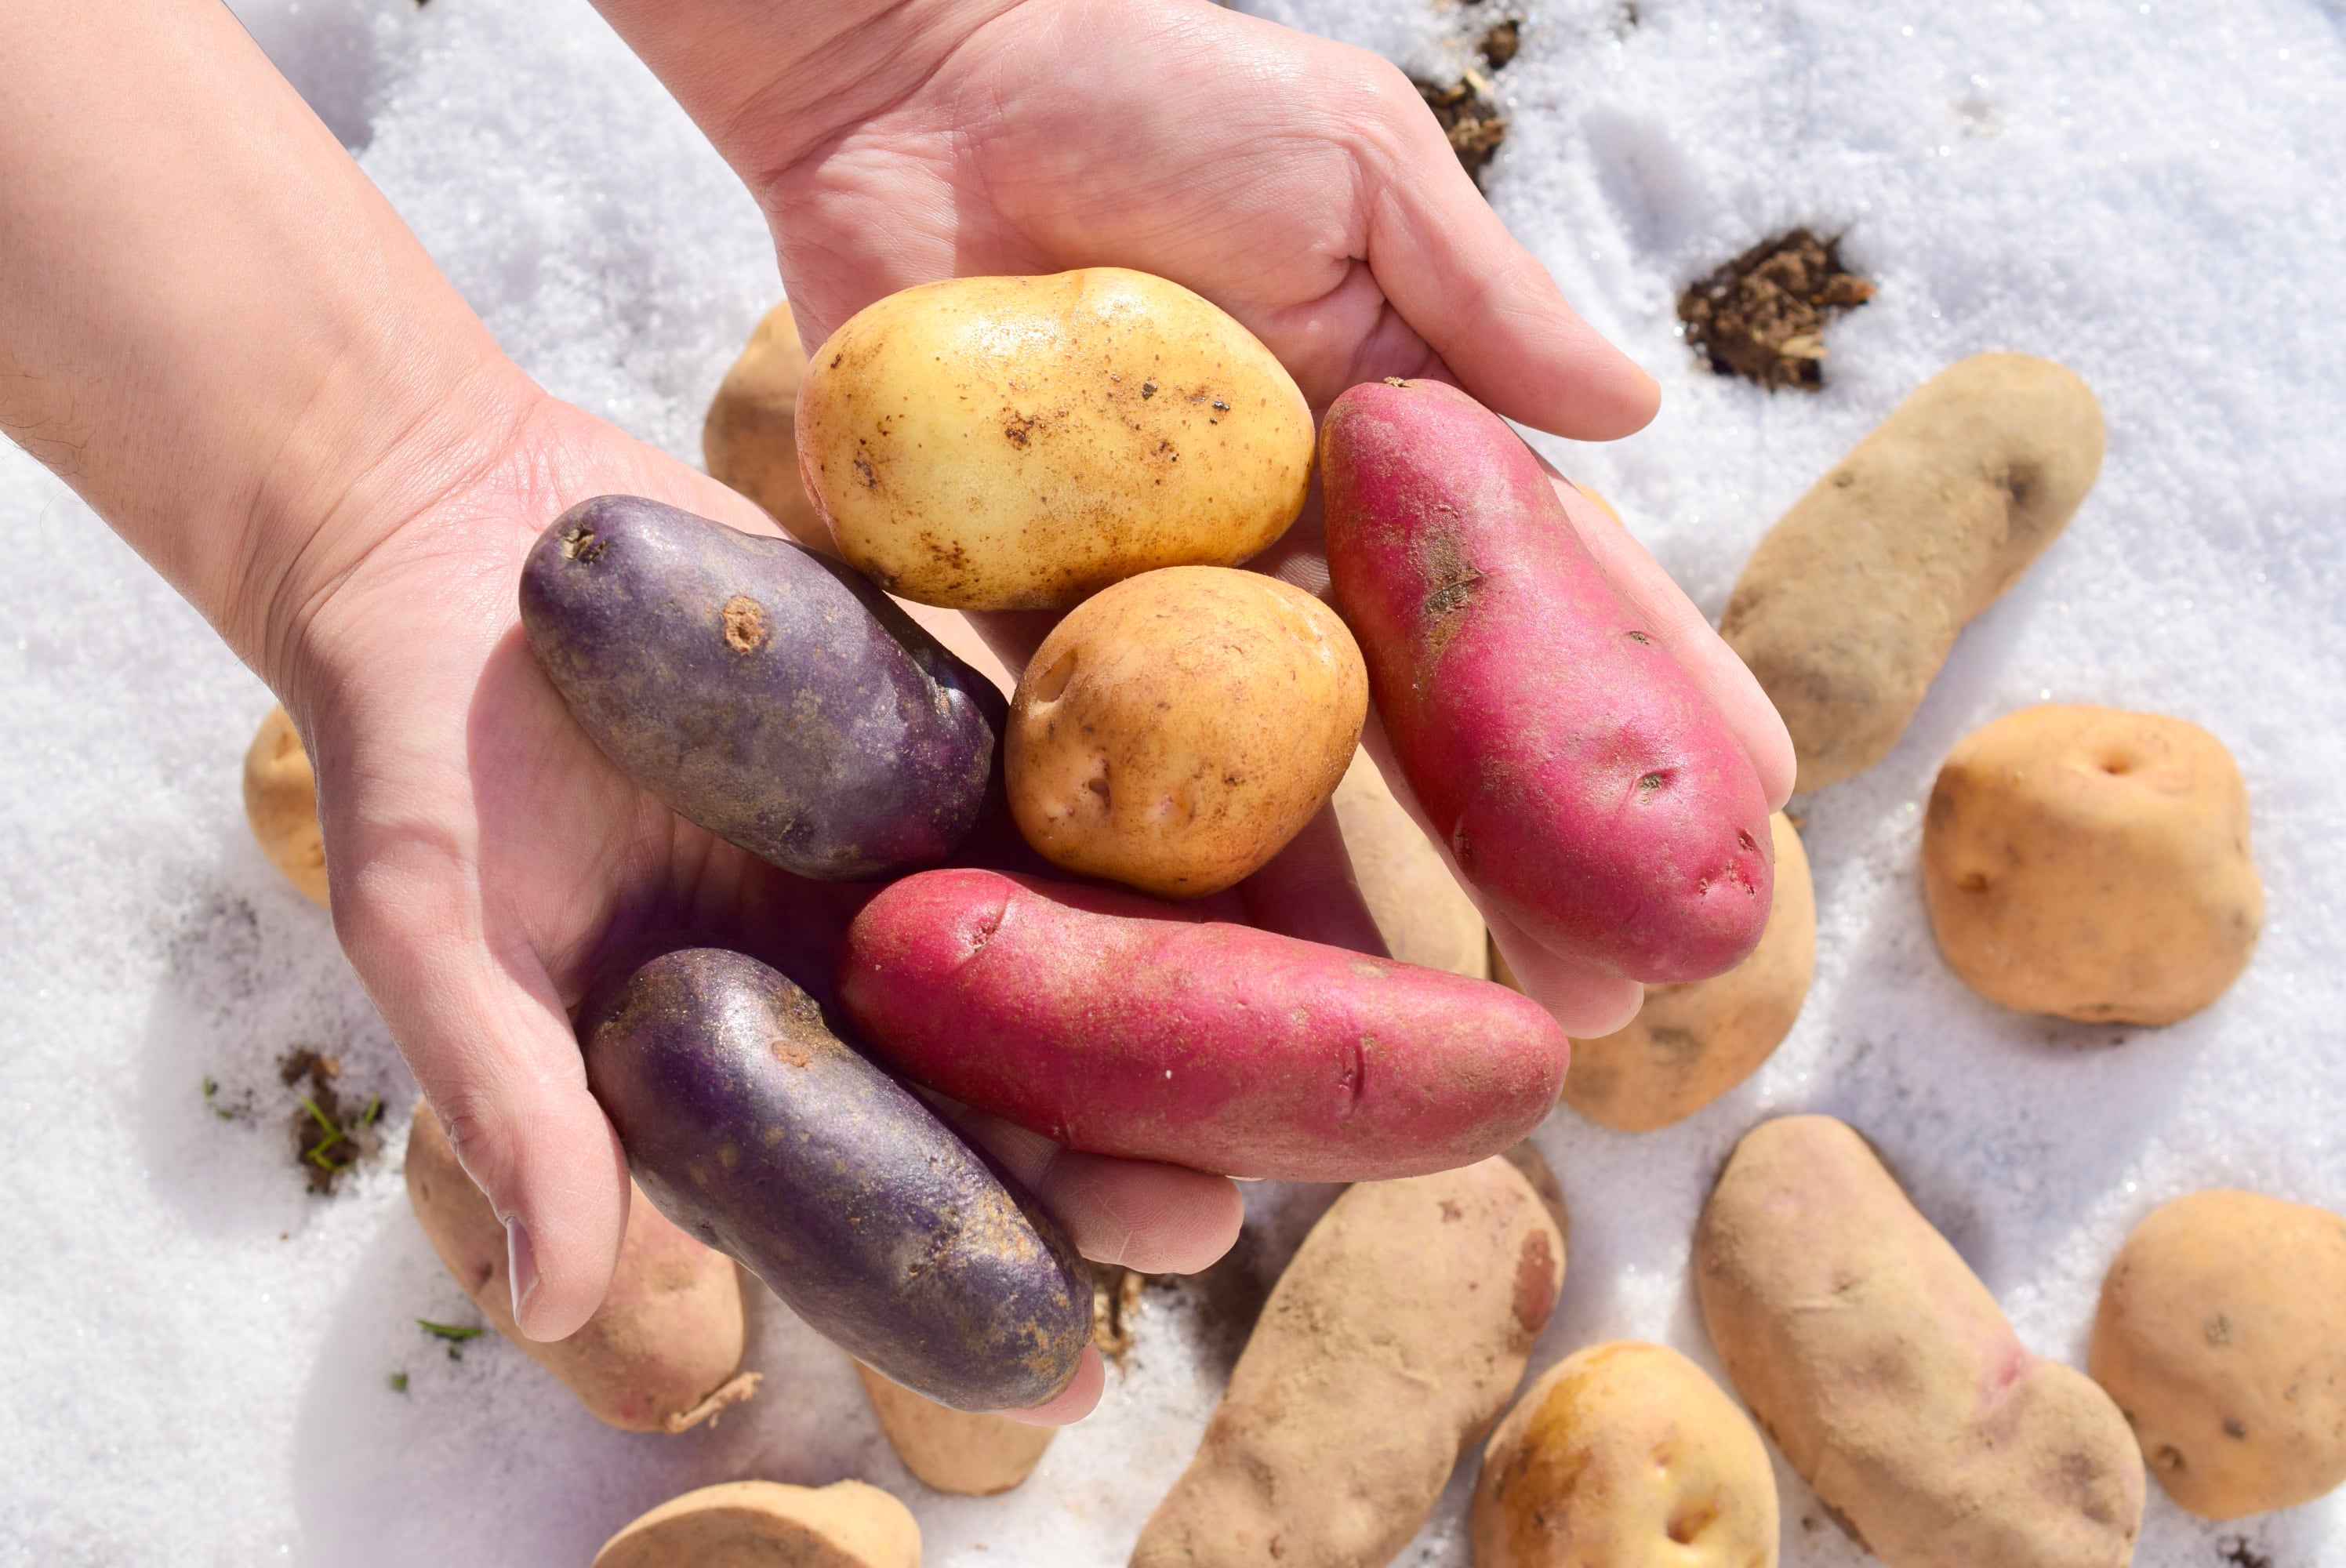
x: 772, y: 696
x: 753, y: 1126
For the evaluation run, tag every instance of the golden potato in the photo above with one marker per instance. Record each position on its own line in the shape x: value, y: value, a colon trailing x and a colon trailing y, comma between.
x: 1625, y: 1456
x: 1692, y: 1043
x: 1176, y: 730
x: 1007, y: 444
x: 749, y: 439
x: 954, y: 1450
x: 1850, y: 602
x: 2092, y: 863
x: 766, y: 1524
x: 1424, y: 916
x: 280, y: 802
x: 2222, y: 1335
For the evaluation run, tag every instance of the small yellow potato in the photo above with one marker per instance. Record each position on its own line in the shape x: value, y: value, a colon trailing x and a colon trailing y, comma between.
x: 1174, y: 732
x: 766, y: 1524
x: 1692, y: 1043
x: 1007, y: 444
x: 749, y: 439
x: 2092, y: 863
x: 954, y: 1450
x: 1624, y: 1455
x: 662, y: 1353
x: 1424, y: 916
x: 1850, y: 602
x: 2222, y: 1335
x: 1890, y: 1377
x: 280, y: 802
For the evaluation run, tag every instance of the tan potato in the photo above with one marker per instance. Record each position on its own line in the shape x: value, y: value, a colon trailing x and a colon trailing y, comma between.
x: 662, y: 1353
x: 1692, y: 1043
x: 1391, y: 1344
x: 1848, y: 607
x: 1625, y: 1456
x: 1175, y: 731
x: 2092, y: 863
x: 749, y: 439
x: 950, y: 1450
x: 280, y: 802
x: 1887, y: 1373
x: 766, y: 1524
x: 2222, y: 1335
x: 1424, y: 916
x: 1007, y: 444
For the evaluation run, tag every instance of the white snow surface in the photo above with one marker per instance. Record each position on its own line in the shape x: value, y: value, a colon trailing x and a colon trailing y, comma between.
x: 200, y: 1352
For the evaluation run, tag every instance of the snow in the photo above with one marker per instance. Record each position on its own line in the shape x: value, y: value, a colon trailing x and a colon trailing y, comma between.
x: 200, y: 1353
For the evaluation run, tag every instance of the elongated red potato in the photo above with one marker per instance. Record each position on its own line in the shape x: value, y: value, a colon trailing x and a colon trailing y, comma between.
x: 1121, y: 1025
x: 1583, y: 781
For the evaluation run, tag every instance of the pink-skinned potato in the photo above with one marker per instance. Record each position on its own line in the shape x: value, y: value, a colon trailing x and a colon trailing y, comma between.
x: 1585, y: 783
x: 1122, y: 1025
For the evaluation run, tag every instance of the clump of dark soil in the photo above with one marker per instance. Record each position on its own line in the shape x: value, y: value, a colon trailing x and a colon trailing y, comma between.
x: 2237, y: 1553
x: 1762, y: 316
x: 328, y: 1137
x: 1500, y: 41
x: 1115, y: 1309
x: 1469, y: 115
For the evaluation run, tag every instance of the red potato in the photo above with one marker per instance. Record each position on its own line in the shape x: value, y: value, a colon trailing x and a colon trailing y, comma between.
x: 1121, y: 1025
x: 1584, y: 782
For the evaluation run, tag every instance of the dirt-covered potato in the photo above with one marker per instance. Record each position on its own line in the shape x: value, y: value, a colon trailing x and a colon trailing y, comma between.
x: 954, y: 1450
x: 1174, y: 732
x: 766, y: 1524
x: 1424, y: 916
x: 280, y: 802
x: 1848, y: 607
x: 663, y: 1352
x: 1392, y: 1342
x: 2222, y: 1335
x: 2092, y: 863
x: 1005, y: 443
x: 1624, y: 1455
x: 1888, y: 1375
x: 749, y: 439
x: 1692, y: 1043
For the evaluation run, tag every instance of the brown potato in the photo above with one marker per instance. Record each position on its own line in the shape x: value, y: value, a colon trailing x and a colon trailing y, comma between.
x: 663, y: 1351
x: 766, y: 1524
x: 1888, y: 1375
x: 2092, y: 863
x: 2222, y: 1335
x: 1625, y: 1456
x: 280, y: 802
x: 954, y: 1450
x: 749, y: 439
x: 1174, y: 732
x: 1692, y: 1043
x: 1849, y: 606
x: 1391, y: 1342
x: 1424, y: 916
x: 1005, y: 443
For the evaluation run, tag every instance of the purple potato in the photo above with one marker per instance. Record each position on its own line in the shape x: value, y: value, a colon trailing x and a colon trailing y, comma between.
x: 769, y: 695
x: 751, y: 1125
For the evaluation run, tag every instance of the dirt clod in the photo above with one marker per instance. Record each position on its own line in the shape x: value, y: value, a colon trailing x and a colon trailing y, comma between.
x: 328, y: 1137
x: 1762, y: 316
x: 1468, y: 113
x: 1500, y: 41
x: 1115, y: 1304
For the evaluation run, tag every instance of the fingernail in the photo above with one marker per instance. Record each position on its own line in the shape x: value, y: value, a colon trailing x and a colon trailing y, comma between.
x: 521, y: 1268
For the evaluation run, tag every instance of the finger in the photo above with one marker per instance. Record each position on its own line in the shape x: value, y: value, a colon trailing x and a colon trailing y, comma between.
x: 1074, y: 1401
x: 1155, y: 1218
x: 1309, y: 890
x: 1672, y: 618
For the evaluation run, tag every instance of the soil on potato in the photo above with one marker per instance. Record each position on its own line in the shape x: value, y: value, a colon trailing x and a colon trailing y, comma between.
x: 1762, y: 316
x: 329, y: 1137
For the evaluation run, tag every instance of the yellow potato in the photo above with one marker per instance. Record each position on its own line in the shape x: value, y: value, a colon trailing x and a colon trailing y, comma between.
x: 1424, y: 916
x: 749, y: 440
x: 1007, y: 443
x: 1692, y: 1043
x: 765, y: 1524
x: 1625, y: 1456
x: 280, y: 802
x: 2222, y: 1335
x: 2092, y: 863
x: 1174, y: 732
x: 954, y: 1450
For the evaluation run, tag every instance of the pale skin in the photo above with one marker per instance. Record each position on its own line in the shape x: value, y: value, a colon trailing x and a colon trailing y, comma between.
x: 218, y: 333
